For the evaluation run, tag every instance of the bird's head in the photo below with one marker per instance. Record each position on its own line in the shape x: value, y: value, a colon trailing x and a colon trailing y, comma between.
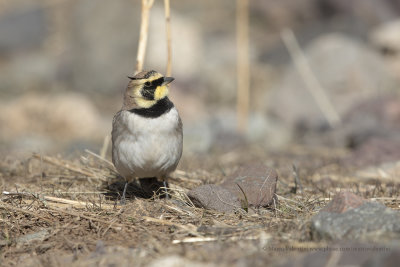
x: 145, y: 89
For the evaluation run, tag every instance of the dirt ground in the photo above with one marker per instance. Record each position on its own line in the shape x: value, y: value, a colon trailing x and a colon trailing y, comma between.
x: 58, y: 210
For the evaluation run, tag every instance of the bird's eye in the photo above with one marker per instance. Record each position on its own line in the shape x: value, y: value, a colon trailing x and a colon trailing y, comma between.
x: 147, y: 84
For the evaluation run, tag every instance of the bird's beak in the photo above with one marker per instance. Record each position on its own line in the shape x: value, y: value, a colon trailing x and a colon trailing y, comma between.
x: 167, y: 80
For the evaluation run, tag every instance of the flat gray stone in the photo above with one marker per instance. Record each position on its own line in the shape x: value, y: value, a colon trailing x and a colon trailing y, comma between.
x: 257, y: 181
x: 371, y: 220
x: 211, y: 196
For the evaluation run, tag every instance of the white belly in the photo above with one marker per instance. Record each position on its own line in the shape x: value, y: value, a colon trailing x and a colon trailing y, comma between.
x: 147, y: 147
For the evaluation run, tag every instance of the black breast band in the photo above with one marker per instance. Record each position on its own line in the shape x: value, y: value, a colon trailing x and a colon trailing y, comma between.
x: 161, y: 107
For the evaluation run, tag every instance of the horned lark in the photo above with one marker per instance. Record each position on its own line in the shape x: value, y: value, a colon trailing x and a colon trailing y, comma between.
x: 147, y: 131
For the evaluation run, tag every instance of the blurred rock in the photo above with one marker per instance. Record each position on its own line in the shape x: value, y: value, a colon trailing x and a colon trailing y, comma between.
x: 22, y: 29
x: 374, y: 152
x: 349, y: 72
x: 60, y: 117
x: 258, y: 183
x: 286, y: 13
x: 374, y: 118
x: 344, y: 201
x: 24, y: 63
x: 370, y: 12
x: 377, y: 117
x: 214, y: 197
x: 370, y: 221
x: 177, y: 261
x: 386, y: 38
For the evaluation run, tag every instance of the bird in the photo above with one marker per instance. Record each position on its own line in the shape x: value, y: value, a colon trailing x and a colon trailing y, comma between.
x: 147, y: 137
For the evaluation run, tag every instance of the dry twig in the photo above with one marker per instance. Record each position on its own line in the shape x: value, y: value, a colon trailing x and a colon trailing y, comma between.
x: 218, y: 238
x: 33, y: 214
x: 144, y: 27
x: 312, y: 84
x: 190, y: 228
x: 104, y: 148
x: 72, y: 167
x: 117, y: 226
x: 100, y: 158
x: 76, y: 204
x: 63, y: 164
x: 169, y: 41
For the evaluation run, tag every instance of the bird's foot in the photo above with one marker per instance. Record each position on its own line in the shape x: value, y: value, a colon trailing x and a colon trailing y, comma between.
x: 123, y: 198
x: 166, y: 189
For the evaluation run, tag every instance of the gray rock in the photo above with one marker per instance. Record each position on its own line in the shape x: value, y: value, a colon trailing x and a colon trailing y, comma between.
x: 343, y: 202
x: 369, y: 221
x: 214, y: 197
x: 375, y: 117
x: 348, y: 70
x: 257, y: 181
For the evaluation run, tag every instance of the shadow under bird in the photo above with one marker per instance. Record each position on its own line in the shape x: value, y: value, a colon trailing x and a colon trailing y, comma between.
x: 147, y: 131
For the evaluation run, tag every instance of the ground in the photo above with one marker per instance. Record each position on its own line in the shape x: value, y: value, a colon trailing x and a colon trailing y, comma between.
x: 58, y: 210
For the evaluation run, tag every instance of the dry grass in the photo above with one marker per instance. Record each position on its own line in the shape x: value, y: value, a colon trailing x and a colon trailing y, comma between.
x: 52, y: 208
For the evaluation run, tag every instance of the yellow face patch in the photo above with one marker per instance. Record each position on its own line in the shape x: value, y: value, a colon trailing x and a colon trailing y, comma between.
x: 144, y: 103
x: 160, y: 92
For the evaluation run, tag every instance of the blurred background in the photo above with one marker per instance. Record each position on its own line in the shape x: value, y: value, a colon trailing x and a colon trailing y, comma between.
x: 63, y: 68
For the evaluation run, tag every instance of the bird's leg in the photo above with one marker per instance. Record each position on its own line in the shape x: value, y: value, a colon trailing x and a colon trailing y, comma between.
x: 165, y: 182
x: 123, y: 198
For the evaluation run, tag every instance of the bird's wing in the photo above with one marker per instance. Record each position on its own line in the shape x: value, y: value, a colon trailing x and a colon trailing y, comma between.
x: 117, y: 128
